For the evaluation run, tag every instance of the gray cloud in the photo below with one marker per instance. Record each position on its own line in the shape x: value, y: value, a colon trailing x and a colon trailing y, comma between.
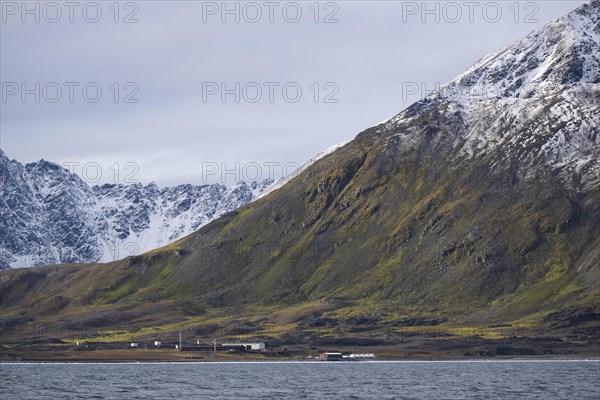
x: 170, y: 52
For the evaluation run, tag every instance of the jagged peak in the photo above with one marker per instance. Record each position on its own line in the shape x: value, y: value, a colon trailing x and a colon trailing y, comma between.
x: 43, y: 166
x: 152, y: 186
x: 563, y: 52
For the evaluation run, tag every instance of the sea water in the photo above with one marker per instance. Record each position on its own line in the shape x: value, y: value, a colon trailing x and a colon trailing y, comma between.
x: 542, y: 380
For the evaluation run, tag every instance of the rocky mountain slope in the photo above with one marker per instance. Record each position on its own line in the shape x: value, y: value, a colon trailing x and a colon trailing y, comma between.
x: 50, y: 216
x: 463, y: 210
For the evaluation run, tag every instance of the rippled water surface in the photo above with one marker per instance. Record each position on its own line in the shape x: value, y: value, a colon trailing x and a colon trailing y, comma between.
x: 315, y: 380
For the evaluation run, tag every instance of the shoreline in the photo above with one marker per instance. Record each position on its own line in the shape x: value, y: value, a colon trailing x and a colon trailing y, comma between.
x: 592, y: 359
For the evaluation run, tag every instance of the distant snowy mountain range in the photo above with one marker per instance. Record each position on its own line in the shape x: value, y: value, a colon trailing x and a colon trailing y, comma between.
x: 50, y: 215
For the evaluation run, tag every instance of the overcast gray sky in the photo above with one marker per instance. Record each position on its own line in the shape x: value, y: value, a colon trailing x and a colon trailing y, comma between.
x: 352, y: 61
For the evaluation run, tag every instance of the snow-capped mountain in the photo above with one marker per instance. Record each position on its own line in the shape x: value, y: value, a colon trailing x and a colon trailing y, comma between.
x: 536, y: 100
x: 50, y: 215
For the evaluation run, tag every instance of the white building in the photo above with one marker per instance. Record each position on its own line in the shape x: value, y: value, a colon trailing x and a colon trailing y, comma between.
x: 134, y: 345
x: 157, y: 343
x: 256, y: 346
